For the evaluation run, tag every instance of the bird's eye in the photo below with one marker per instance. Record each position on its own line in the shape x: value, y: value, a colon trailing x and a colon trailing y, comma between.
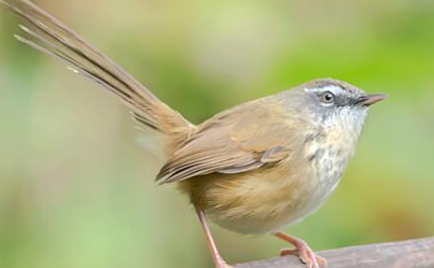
x: 327, y: 97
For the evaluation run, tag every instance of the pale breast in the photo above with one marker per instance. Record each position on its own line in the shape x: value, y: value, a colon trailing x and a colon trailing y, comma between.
x: 328, y: 155
x: 266, y: 199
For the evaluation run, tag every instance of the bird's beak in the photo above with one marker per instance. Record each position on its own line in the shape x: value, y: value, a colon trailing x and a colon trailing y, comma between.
x: 368, y: 100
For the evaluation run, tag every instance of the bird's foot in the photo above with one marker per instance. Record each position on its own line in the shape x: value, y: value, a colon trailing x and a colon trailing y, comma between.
x: 220, y: 263
x: 303, y: 251
x: 306, y: 255
x: 223, y: 265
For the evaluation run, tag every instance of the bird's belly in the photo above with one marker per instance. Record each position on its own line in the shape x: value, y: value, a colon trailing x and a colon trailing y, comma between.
x: 256, y: 203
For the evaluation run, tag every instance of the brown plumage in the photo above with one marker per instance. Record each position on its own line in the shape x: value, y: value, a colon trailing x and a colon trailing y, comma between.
x: 232, y: 142
x: 51, y: 36
x: 253, y: 168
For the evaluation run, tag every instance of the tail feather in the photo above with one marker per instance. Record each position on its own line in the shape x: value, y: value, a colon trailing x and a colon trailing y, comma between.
x: 49, y: 35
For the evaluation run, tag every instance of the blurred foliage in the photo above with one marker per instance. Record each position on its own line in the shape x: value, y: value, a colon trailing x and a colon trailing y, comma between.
x: 76, y: 191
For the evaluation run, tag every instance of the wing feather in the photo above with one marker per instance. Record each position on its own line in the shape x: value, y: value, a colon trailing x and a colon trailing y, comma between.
x: 232, y: 142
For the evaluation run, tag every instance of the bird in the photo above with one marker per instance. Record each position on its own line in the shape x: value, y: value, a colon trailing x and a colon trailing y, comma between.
x: 254, y: 168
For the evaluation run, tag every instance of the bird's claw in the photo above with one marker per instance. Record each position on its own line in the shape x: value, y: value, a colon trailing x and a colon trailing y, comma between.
x: 307, y: 256
x: 224, y: 265
x: 221, y: 263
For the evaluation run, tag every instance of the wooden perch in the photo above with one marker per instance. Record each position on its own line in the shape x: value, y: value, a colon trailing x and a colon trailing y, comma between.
x: 407, y: 254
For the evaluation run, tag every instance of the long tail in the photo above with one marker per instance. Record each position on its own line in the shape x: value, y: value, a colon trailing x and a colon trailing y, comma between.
x: 49, y: 35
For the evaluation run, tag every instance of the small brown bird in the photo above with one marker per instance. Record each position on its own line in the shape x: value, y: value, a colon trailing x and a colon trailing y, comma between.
x: 254, y: 168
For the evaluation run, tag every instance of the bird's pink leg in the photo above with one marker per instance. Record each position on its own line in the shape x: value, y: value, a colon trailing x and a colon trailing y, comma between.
x: 219, y: 262
x: 302, y: 250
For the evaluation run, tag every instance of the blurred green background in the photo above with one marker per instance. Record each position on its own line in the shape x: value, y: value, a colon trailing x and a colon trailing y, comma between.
x: 77, y: 191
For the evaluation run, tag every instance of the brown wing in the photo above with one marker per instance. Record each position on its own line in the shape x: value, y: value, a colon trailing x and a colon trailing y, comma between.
x: 241, y: 139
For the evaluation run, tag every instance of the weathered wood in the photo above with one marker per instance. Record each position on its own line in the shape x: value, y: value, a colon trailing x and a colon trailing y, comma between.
x: 407, y: 254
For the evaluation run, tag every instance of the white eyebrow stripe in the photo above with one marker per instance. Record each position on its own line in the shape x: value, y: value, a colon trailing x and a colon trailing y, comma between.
x: 333, y: 89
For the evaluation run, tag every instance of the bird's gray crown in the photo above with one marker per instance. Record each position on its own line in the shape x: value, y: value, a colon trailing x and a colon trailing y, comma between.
x: 329, y: 82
